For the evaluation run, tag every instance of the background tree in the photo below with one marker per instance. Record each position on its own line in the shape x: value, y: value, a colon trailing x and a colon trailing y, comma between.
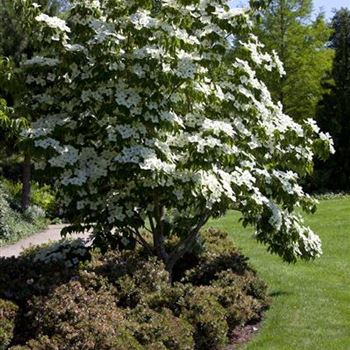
x: 286, y: 26
x: 148, y: 124
x: 15, y: 44
x: 334, y: 109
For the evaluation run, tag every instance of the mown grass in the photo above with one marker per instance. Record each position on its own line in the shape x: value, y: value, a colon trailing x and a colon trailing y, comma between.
x: 311, y: 301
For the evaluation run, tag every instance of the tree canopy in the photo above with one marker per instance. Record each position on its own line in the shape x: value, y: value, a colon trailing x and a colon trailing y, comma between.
x: 301, y: 43
x: 334, y: 108
x: 149, y: 124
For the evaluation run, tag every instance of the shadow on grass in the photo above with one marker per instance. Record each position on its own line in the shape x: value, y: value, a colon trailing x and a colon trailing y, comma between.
x: 279, y: 293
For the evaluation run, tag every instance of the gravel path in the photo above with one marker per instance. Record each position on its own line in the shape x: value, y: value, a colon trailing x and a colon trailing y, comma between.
x: 53, y: 233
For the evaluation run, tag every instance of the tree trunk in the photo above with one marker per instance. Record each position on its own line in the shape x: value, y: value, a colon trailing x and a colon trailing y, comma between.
x: 26, y: 177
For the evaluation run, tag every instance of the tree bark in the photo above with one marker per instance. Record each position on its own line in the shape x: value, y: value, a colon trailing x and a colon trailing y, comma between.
x: 26, y: 178
x: 185, y: 245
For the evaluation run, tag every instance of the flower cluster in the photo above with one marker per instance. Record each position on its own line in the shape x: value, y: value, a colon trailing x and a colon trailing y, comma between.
x: 66, y: 251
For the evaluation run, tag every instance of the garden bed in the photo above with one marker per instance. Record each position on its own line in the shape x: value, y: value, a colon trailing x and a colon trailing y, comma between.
x: 67, y: 296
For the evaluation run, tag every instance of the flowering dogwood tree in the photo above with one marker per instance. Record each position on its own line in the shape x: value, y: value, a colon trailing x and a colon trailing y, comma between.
x: 150, y: 121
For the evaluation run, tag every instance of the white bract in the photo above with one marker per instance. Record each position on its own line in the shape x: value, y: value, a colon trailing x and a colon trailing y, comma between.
x: 53, y: 22
x: 163, y: 124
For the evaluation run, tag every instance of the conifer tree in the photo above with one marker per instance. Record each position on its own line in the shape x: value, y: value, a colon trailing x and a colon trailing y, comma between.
x: 334, y: 108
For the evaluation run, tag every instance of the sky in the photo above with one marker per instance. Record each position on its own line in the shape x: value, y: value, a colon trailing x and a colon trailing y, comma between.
x: 329, y: 5
x: 326, y: 5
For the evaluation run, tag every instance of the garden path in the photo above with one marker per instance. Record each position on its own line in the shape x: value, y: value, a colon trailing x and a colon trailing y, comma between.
x: 52, y: 233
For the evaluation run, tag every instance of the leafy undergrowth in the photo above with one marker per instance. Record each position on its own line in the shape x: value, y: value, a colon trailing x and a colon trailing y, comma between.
x: 69, y: 297
x: 15, y: 225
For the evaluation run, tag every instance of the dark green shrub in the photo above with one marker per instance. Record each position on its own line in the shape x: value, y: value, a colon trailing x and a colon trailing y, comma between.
x: 5, y: 230
x: 81, y: 319
x: 161, y: 329
x: 60, y: 343
x: 208, y: 317
x: 211, y: 264
x: 149, y: 276
x: 249, y: 283
x: 42, y: 343
x: 170, y: 298
x: 218, y: 254
x: 216, y: 241
x: 15, y: 225
x: 36, y: 272
x: 8, y: 314
x: 132, y: 273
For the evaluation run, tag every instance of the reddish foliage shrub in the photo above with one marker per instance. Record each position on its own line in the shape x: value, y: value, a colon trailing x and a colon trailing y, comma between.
x: 8, y: 314
x: 122, y: 300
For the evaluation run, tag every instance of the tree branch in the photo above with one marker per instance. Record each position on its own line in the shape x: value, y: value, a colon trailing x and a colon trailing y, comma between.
x: 184, y: 245
x: 142, y: 241
x: 158, y: 234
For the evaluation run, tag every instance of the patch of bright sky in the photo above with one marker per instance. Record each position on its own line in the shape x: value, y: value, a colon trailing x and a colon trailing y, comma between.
x: 325, y: 5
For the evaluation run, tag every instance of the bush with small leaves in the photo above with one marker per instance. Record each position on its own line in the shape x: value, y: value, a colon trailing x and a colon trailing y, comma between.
x: 208, y: 317
x: 170, y: 298
x: 5, y: 229
x: 218, y: 254
x: 149, y: 276
x: 42, y: 343
x: 239, y: 306
x: 133, y: 273
x: 59, y: 343
x: 8, y: 314
x: 34, y: 213
x: 161, y: 329
x: 37, y: 271
x: 81, y: 319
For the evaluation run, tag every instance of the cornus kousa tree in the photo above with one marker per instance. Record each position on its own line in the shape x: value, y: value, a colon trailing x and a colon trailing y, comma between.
x: 151, y: 123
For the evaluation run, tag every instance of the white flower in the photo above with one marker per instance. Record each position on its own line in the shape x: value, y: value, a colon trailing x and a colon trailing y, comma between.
x: 53, y: 22
x: 142, y: 19
x: 327, y: 138
x: 42, y: 61
x: 275, y: 219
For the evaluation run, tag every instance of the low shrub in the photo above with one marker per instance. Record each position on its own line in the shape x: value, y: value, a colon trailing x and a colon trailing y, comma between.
x: 34, y: 213
x: 8, y: 314
x: 5, y: 211
x: 170, y: 298
x: 208, y: 317
x: 69, y: 252
x: 161, y: 330
x: 73, y: 297
x: 81, y: 319
x: 240, y: 307
x: 15, y: 225
x: 21, y: 278
x: 148, y: 277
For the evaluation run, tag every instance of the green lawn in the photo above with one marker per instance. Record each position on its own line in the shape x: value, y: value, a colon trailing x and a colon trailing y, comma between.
x: 311, y: 301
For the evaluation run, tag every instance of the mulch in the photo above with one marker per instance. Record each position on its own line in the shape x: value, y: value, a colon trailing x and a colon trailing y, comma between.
x: 242, y: 335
